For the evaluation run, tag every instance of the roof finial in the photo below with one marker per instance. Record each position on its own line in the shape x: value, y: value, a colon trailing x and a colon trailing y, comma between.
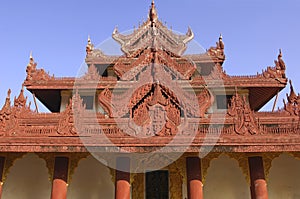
x: 152, y: 13
x: 89, y: 47
x: 31, y: 60
x: 8, y: 93
x: 220, y: 44
x: 280, y: 53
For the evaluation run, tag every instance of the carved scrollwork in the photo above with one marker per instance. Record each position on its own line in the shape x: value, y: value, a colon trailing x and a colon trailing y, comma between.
x: 157, y: 112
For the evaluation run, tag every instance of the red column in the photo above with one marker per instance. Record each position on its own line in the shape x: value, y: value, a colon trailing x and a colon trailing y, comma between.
x: 194, y: 178
x: 122, y: 186
x: 258, y: 185
x: 2, y: 163
x: 60, y: 178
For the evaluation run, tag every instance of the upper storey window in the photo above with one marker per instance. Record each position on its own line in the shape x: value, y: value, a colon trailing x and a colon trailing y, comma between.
x: 223, y: 101
x: 88, y: 101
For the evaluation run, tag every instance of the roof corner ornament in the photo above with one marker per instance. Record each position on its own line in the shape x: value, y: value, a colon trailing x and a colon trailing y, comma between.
x: 31, y: 67
x: 292, y: 106
x: 220, y: 44
x: 280, y: 63
x: 218, y: 51
x: 116, y: 31
x: 89, y: 46
x: 189, y: 35
x: 278, y: 71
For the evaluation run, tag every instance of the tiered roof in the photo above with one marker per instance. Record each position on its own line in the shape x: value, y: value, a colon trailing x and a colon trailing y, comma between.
x: 163, y: 79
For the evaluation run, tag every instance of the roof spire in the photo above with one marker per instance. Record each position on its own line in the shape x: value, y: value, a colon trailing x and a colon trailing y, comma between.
x: 89, y: 46
x: 220, y: 44
x: 31, y: 60
x: 280, y: 53
x: 152, y: 13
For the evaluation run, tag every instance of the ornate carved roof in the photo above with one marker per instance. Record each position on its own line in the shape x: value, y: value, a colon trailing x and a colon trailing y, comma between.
x: 153, y: 33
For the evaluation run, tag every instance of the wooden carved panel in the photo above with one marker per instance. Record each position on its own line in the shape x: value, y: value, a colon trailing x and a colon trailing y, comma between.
x: 244, y: 120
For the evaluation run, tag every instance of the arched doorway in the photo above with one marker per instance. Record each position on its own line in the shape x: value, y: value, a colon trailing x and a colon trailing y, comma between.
x: 284, y: 178
x: 225, y: 180
x: 28, y: 178
x: 91, y: 180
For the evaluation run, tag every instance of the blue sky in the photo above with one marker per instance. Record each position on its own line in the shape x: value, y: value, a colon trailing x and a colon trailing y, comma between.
x: 56, y: 32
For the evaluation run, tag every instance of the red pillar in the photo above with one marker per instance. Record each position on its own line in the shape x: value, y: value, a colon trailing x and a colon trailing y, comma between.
x: 60, y: 178
x: 194, y: 178
x: 122, y: 186
x: 2, y: 163
x: 258, y: 185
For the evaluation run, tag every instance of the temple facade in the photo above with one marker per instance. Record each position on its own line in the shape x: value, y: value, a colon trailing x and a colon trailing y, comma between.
x: 153, y: 123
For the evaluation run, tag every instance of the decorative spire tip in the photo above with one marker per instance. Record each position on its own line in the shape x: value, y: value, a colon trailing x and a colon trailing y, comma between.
x: 280, y: 52
x: 8, y: 93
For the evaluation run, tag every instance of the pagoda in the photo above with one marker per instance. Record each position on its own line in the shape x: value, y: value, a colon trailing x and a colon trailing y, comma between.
x: 154, y: 122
